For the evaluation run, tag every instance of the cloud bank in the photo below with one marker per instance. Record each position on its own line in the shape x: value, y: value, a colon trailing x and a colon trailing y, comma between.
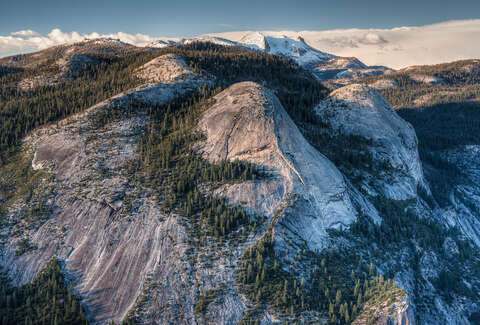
x: 24, y: 41
x: 397, y: 47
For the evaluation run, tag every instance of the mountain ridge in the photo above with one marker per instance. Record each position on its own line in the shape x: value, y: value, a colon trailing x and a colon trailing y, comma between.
x: 263, y: 200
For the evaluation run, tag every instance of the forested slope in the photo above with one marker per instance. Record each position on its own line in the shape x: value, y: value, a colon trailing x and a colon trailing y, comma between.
x: 231, y: 190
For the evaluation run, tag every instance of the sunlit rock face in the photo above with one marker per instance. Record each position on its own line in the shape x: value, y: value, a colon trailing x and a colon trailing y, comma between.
x: 390, y: 142
x: 248, y: 123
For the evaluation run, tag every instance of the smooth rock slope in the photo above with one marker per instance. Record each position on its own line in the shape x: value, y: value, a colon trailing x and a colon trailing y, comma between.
x: 108, y: 253
x: 249, y: 123
x: 361, y: 112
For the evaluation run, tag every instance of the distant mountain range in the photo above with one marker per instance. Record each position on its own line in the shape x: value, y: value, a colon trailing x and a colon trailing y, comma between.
x: 324, y: 65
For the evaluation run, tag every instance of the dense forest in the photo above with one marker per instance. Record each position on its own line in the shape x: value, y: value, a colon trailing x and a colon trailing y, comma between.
x: 48, y: 299
x: 339, y: 286
x: 23, y: 110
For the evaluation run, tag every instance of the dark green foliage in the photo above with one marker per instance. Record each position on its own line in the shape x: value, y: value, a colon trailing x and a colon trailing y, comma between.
x: 23, y: 110
x: 169, y: 165
x: 203, y: 301
x: 445, y: 125
x: 338, y: 286
x: 442, y: 127
x: 447, y: 283
x: 401, y: 226
x: 350, y: 153
x: 5, y: 70
x: 46, y: 300
x: 24, y: 246
x: 475, y: 318
x: 296, y: 88
x: 402, y: 229
x: 19, y: 180
x: 400, y: 223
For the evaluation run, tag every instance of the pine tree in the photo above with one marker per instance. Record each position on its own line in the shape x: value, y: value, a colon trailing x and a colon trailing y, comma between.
x: 285, y: 291
x: 338, y: 297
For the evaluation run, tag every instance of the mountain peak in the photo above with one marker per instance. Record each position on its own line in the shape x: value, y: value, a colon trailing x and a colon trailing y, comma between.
x: 296, y: 49
x: 249, y: 123
x: 361, y: 111
x: 107, y: 41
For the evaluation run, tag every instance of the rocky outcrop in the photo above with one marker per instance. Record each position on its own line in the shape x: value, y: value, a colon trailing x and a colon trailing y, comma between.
x: 168, y: 68
x: 427, y: 79
x: 462, y: 205
x: 385, y: 83
x: 247, y: 122
x: 110, y: 251
x: 360, y: 113
x: 397, y: 313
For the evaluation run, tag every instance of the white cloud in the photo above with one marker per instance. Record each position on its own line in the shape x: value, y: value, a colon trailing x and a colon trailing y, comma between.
x: 28, y: 40
x: 25, y: 33
x: 397, y: 47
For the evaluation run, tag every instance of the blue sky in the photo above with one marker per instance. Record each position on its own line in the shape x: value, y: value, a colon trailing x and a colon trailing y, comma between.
x: 189, y: 18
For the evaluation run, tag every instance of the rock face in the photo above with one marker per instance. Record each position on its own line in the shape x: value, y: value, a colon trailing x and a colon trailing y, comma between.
x: 384, y: 84
x: 106, y: 254
x: 361, y: 112
x: 402, y: 315
x: 431, y: 80
x: 248, y: 123
x: 167, y: 69
x: 109, y: 250
x: 462, y: 208
x: 396, y: 313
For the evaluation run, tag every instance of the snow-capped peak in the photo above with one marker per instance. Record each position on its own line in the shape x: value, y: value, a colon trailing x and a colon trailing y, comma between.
x: 296, y: 49
x: 255, y: 40
x: 161, y: 43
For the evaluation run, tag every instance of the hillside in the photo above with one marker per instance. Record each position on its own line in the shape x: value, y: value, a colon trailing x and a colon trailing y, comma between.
x: 209, y: 183
x: 442, y: 103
